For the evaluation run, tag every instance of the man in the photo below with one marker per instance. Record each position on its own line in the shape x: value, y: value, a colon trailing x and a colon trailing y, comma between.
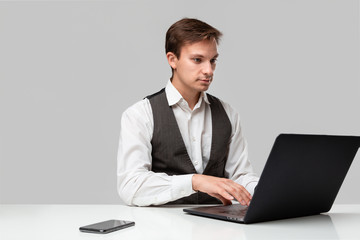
x: 181, y: 145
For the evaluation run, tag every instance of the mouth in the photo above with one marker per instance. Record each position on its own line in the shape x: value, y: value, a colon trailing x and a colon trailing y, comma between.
x: 206, y: 80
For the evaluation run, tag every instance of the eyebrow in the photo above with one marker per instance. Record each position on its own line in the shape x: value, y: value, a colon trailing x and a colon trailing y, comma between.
x: 202, y: 56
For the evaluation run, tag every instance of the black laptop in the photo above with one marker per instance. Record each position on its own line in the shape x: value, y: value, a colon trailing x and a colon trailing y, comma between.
x: 302, y: 177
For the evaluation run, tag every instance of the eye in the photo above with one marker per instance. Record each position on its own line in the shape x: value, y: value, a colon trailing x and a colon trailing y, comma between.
x: 197, y: 60
x: 213, y: 61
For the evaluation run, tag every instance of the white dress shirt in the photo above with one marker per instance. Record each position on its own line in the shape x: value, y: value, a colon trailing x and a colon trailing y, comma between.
x: 138, y: 185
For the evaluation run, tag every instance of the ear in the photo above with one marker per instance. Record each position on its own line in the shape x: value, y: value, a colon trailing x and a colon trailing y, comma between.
x: 172, y: 59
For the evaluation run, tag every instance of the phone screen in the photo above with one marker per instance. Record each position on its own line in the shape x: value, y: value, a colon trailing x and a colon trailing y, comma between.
x: 107, y: 226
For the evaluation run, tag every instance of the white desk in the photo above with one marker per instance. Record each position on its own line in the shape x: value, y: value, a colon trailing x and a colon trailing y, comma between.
x: 167, y: 222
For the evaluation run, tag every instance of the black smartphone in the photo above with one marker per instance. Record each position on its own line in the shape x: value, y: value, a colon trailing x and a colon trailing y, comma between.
x: 106, y: 226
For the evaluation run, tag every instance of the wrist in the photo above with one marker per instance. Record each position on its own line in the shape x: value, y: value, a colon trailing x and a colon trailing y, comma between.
x: 194, y: 182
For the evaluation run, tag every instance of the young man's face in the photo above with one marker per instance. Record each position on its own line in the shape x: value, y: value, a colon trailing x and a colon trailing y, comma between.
x: 194, y: 69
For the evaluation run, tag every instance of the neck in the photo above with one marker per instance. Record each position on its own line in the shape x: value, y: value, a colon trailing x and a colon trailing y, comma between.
x: 190, y: 95
x: 191, y: 99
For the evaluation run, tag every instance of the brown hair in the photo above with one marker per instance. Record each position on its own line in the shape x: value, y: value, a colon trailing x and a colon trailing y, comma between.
x: 188, y: 30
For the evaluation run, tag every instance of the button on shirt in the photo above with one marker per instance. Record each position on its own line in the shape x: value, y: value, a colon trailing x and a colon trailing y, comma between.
x: 138, y: 185
x: 193, y: 124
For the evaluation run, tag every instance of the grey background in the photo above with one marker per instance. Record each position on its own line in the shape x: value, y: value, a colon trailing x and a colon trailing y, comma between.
x: 69, y: 69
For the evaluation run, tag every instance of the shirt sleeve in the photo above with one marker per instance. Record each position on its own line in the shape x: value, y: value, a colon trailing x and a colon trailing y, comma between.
x: 238, y: 167
x: 136, y: 183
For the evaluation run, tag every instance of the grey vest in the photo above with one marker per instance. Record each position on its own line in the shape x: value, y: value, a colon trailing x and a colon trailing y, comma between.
x: 169, y: 154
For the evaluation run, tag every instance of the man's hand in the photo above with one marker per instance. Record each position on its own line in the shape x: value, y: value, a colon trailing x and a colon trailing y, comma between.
x: 223, y: 189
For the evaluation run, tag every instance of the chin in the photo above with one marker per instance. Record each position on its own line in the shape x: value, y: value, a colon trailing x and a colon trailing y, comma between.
x: 205, y: 86
x: 203, y: 89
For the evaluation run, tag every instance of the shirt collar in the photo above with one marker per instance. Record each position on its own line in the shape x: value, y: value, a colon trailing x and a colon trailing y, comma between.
x: 173, y: 96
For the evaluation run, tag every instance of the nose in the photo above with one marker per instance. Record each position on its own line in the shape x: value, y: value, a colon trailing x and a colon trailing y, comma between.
x: 208, y: 68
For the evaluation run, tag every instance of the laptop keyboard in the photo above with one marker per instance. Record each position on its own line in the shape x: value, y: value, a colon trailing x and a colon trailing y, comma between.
x: 234, y: 209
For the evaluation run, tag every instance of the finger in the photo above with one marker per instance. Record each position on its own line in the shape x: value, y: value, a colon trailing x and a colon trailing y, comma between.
x: 222, y: 199
x: 247, y: 193
x: 243, y: 198
x: 225, y: 202
x: 246, y: 196
x: 239, y: 193
x: 225, y: 194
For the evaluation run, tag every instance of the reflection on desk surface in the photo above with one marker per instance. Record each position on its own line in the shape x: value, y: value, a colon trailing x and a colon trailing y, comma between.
x: 322, y: 226
x: 62, y: 222
x: 346, y: 224
x: 311, y: 227
x: 194, y: 227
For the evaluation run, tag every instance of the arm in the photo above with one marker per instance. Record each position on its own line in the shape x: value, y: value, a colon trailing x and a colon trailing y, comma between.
x: 238, y: 167
x: 137, y: 184
x: 223, y: 189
